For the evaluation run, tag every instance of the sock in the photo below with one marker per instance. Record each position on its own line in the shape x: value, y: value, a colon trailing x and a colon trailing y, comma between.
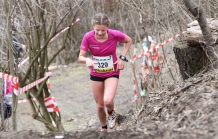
x: 105, y: 127
x: 109, y: 112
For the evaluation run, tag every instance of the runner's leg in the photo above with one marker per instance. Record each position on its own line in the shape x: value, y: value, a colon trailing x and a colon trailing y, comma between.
x: 110, y: 91
x: 98, y: 93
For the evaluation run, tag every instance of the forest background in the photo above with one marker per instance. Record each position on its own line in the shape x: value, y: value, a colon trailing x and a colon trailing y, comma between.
x: 38, y: 22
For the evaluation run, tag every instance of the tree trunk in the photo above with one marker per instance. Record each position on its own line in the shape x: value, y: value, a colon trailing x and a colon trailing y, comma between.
x: 201, y: 44
x: 11, y: 57
x: 195, y: 39
x: 199, y: 14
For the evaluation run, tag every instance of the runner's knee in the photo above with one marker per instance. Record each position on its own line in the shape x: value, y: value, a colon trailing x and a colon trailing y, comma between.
x: 108, y: 103
x: 100, y: 107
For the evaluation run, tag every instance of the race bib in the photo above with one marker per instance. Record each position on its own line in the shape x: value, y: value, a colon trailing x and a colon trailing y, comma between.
x: 105, y: 64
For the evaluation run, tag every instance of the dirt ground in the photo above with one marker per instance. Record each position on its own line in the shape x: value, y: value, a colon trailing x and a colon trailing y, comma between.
x: 177, y: 110
x: 71, y: 90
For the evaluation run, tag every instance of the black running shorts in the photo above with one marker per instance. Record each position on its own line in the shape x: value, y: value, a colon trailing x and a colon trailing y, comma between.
x: 94, y: 78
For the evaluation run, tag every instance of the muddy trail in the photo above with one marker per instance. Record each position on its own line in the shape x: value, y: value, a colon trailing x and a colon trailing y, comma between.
x: 186, y: 109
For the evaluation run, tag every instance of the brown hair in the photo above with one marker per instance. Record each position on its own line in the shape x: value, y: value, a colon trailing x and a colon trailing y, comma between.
x: 100, y: 19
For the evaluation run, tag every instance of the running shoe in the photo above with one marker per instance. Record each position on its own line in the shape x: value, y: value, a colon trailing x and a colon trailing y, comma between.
x: 112, y: 119
x: 104, y: 130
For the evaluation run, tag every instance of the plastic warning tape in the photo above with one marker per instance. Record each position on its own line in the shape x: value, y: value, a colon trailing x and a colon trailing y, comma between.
x: 31, y: 85
x: 53, y: 109
x: 48, y: 84
x: 134, y: 55
x: 65, y: 29
x: 52, y: 39
x: 168, y: 40
x: 135, y: 99
x: 22, y: 101
x: 8, y: 77
x: 13, y: 79
x: 157, y: 46
x: 51, y: 104
x: 24, y: 61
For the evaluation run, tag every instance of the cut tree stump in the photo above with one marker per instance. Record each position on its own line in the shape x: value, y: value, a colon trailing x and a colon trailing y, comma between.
x: 192, y: 59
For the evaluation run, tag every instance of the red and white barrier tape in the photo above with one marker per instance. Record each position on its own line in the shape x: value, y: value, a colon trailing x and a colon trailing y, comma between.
x: 52, y: 39
x: 22, y: 101
x: 13, y: 79
x: 31, y: 85
x: 134, y: 54
x: 51, y: 104
x: 134, y: 84
x: 9, y: 77
x: 135, y: 99
x: 15, y: 84
x: 55, y: 109
x: 65, y: 29
x: 168, y: 40
x: 48, y: 84
x: 24, y: 61
x: 157, y: 46
x: 134, y: 57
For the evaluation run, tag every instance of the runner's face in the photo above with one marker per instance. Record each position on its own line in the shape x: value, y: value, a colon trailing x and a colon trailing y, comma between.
x: 100, y: 31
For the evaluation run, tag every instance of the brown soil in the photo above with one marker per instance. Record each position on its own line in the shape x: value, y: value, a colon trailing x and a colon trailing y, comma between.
x: 71, y: 89
x: 180, y: 110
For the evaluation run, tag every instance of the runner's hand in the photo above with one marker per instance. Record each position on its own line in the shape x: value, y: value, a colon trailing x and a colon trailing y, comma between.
x: 120, y: 64
x: 90, y: 63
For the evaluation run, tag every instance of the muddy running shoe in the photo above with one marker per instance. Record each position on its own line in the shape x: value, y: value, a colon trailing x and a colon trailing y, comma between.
x: 112, y: 119
x: 104, y: 130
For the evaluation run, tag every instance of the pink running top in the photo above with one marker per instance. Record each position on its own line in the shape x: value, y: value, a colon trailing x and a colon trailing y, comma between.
x: 103, y: 49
